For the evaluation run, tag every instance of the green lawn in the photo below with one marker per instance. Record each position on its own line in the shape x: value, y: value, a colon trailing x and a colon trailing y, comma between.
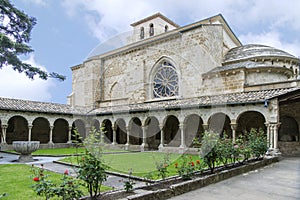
x: 140, y: 163
x: 67, y: 151
x: 16, y: 180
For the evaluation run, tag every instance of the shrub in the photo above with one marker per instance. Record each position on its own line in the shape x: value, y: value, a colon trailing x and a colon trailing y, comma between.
x: 67, y: 189
x: 209, y: 151
x: 162, y: 166
x: 257, y: 143
x: 92, y: 171
x: 186, y: 167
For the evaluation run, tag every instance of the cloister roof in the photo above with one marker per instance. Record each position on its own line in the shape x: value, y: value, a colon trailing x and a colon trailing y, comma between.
x: 203, y: 101
x: 254, y: 51
x: 35, y: 106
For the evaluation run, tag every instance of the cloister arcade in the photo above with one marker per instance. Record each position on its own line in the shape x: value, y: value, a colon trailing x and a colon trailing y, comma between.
x: 158, y: 130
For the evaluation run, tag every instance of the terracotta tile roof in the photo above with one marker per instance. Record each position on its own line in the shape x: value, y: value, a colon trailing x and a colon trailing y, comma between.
x: 203, y: 101
x: 35, y: 106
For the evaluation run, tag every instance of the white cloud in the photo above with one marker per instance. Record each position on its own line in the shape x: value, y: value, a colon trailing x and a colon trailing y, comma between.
x: 17, y: 85
x: 273, y: 39
x: 275, y: 23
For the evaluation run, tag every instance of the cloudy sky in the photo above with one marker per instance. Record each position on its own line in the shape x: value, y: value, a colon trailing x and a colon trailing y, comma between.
x: 68, y: 30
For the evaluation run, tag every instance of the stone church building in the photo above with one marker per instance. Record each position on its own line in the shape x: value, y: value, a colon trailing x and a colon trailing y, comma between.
x: 165, y: 87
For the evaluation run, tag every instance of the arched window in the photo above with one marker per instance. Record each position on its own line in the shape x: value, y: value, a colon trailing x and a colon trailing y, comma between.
x: 166, y: 28
x: 165, y: 81
x: 151, y: 29
x: 142, y: 33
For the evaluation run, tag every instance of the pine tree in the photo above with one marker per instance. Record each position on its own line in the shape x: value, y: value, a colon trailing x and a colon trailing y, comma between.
x: 15, y: 29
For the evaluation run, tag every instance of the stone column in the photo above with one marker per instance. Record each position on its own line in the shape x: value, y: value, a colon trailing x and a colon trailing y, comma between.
x: 271, y: 136
x: 182, y: 136
x: 268, y: 134
x: 128, y: 138
x: 4, y: 128
x: 70, y: 135
x: 144, y: 143
x: 233, y: 128
x: 162, y: 135
x: 114, y: 135
x: 275, y: 136
x: 29, y: 132
x: 51, y: 136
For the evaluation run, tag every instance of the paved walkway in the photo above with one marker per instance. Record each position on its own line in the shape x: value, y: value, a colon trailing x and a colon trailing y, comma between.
x: 279, y: 181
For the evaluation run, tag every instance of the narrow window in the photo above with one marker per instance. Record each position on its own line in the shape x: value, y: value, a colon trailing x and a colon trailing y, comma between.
x: 151, y: 30
x: 142, y: 33
x: 166, y: 28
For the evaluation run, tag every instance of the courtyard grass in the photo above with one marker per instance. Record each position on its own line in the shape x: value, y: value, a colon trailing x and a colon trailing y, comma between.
x: 67, y: 151
x: 141, y: 164
x: 16, y: 181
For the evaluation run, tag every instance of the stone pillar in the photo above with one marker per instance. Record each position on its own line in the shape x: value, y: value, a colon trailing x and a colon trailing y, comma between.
x: 29, y: 132
x: 144, y: 143
x: 4, y: 128
x: 271, y: 136
x: 114, y: 135
x: 51, y: 136
x: 275, y: 136
x: 128, y: 138
x: 70, y: 135
x: 233, y: 128
x: 205, y: 127
x: 268, y: 134
x: 162, y: 135
x: 182, y: 136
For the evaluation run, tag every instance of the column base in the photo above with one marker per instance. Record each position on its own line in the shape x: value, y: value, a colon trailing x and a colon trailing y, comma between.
x: 144, y: 146
x: 50, y: 144
x: 127, y: 146
x: 273, y: 152
x: 160, y: 147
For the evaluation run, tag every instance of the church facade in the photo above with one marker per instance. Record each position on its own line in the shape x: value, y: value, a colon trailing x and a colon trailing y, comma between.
x: 169, y: 84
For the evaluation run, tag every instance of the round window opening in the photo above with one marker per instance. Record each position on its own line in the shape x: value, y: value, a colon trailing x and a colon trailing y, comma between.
x: 165, y: 81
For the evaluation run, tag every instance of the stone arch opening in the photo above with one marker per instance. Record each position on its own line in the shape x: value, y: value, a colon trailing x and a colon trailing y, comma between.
x: 250, y: 120
x: 171, y: 131
x: 40, y: 130
x: 121, y: 136
x: 220, y: 123
x: 96, y: 124
x: 153, y: 133
x: 135, y: 131
x: 78, y: 125
x: 60, y: 132
x: 288, y: 130
x: 193, y: 128
x: 108, y: 131
x: 17, y: 129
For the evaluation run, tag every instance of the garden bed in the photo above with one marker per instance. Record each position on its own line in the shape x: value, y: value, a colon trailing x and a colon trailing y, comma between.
x: 176, y: 186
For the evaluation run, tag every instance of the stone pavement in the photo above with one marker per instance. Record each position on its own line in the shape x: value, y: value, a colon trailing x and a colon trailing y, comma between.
x: 278, y: 181
x: 112, y: 181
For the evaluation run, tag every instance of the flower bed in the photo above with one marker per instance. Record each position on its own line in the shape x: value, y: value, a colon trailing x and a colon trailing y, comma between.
x: 176, y: 186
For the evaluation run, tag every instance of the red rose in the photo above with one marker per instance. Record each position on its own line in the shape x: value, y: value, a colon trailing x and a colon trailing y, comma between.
x: 198, y: 162
x: 66, y: 172
x: 193, y: 164
x: 36, y: 179
x: 176, y: 165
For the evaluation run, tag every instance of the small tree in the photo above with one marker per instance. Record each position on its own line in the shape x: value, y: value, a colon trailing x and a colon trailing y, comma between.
x: 92, y: 171
x: 92, y: 167
x: 208, y: 149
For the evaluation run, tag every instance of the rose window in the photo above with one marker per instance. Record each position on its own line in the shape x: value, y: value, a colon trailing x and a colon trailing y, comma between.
x: 165, y: 81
